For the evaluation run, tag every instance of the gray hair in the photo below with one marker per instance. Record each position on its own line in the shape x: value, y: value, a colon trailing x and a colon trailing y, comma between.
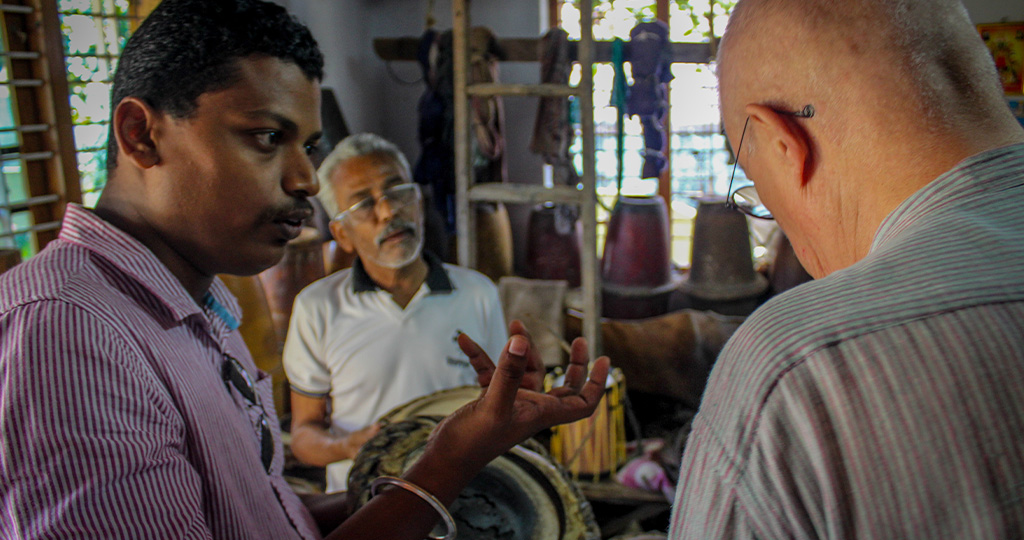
x: 353, y: 146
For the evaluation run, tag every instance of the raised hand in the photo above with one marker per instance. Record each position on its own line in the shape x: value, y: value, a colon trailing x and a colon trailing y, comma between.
x: 507, y: 412
x: 510, y: 408
x: 533, y: 377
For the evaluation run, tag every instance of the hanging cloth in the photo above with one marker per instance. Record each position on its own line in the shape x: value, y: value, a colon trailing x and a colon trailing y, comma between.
x: 487, y: 114
x: 650, y: 59
x: 435, y: 166
x: 620, y: 93
x: 552, y: 127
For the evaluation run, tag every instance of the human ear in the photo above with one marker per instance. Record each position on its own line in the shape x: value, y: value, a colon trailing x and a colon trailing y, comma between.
x: 132, y: 124
x: 341, y: 236
x: 784, y: 139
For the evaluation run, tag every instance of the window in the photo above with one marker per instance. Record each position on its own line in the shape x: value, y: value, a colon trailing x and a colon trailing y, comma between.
x: 38, y: 175
x: 58, y: 58
x: 699, y: 159
x: 94, y: 32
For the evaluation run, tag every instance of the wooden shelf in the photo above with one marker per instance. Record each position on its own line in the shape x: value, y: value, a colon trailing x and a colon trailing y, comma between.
x: 526, y: 50
x: 539, y: 90
x: 524, y: 193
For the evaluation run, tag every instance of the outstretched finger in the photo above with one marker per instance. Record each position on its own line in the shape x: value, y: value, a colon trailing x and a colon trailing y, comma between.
x: 507, y: 376
x: 478, y: 359
x: 593, y: 390
x: 576, y: 372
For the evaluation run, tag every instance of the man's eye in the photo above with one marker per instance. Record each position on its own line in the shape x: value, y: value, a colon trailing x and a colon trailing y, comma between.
x: 311, y: 149
x: 269, y: 138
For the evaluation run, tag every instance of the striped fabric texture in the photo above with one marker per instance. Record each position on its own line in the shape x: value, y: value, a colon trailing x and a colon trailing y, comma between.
x: 887, y: 399
x: 115, y: 421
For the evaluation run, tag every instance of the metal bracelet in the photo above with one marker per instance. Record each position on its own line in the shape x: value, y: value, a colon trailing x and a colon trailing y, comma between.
x: 449, y: 522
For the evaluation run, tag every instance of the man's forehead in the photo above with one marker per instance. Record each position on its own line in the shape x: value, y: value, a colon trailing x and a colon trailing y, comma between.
x: 367, y: 171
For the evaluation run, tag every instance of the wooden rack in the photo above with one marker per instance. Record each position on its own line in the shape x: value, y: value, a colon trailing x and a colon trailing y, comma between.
x: 584, y: 197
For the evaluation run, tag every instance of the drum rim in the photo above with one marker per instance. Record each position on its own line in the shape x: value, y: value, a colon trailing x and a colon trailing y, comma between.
x: 576, y: 516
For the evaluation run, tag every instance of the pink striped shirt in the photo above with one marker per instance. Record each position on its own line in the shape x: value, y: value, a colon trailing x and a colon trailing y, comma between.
x: 886, y: 400
x: 115, y: 421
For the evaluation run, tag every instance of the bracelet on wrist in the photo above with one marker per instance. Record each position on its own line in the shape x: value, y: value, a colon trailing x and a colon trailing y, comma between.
x: 446, y: 516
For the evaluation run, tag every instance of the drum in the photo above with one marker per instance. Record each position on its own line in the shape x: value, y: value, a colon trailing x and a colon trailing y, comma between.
x: 302, y: 264
x: 636, y: 267
x: 494, y: 256
x: 594, y: 447
x: 722, y: 267
x: 440, y: 403
x: 521, y: 495
x: 636, y: 249
x: 553, y: 244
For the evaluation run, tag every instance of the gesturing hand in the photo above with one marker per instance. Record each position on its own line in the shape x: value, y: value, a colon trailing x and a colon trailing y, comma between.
x: 510, y: 408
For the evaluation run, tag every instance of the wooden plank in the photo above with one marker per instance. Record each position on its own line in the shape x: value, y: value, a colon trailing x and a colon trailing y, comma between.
x: 525, y: 193
x: 526, y: 50
x: 539, y: 90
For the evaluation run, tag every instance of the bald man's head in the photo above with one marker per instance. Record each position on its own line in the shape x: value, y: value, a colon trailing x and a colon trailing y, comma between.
x: 902, y: 90
x: 916, y: 61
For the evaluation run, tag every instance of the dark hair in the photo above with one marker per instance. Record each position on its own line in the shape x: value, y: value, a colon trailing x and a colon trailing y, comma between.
x: 186, y: 48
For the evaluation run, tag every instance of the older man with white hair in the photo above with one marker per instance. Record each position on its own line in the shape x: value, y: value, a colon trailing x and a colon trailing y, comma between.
x: 366, y: 339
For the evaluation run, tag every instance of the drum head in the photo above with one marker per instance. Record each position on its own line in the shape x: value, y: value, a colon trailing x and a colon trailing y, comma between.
x: 440, y: 403
x: 521, y: 495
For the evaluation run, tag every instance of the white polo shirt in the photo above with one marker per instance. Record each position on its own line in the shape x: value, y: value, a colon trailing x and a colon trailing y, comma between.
x: 349, y: 340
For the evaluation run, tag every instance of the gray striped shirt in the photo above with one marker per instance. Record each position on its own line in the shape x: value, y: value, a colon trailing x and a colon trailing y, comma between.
x: 886, y: 400
x: 115, y: 421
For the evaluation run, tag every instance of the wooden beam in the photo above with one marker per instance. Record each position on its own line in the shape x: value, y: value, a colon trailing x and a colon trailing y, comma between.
x: 527, y: 50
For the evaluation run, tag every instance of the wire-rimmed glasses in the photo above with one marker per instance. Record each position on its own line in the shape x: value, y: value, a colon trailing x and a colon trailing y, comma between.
x: 234, y: 374
x: 746, y: 199
x: 398, y: 196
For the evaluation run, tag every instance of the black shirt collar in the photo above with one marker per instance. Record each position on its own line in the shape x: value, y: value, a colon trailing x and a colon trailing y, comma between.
x: 437, y: 276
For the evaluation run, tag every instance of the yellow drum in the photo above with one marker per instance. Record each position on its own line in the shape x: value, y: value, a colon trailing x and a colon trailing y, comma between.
x: 594, y: 447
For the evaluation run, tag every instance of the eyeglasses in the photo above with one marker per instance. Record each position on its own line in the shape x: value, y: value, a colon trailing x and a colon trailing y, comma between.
x: 399, y: 196
x: 746, y: 199
x: 234, y: 374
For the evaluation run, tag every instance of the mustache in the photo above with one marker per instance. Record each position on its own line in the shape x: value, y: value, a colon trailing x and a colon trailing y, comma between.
x: 298, y: 210
x: 394, y: 226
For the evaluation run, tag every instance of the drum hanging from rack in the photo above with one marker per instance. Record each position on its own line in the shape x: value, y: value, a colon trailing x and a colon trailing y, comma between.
x: 521, y: 495
x: 594, y: 447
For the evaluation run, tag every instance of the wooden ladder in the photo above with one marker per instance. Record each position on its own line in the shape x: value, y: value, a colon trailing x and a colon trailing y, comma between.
x: 585, y: 197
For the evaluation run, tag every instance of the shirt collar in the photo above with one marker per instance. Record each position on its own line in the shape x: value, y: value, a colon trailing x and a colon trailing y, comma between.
x: 977, y: 176
x: 84, y: 228
x: 437, y: 277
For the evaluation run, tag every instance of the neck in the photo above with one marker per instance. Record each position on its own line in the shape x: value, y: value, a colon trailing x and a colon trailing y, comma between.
x: 402, y: 282
x: 120, y: 213
x: 901, y: 164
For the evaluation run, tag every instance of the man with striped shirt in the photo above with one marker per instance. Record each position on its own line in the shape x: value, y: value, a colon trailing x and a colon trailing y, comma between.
x: 886, y: 398
x: 129, y: 406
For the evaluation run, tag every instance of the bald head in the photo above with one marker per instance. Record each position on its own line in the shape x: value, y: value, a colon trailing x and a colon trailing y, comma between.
x: 902, y: 91
x: 904, y: 65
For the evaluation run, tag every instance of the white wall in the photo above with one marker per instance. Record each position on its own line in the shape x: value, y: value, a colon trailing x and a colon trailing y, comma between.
x: 989, y: 11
